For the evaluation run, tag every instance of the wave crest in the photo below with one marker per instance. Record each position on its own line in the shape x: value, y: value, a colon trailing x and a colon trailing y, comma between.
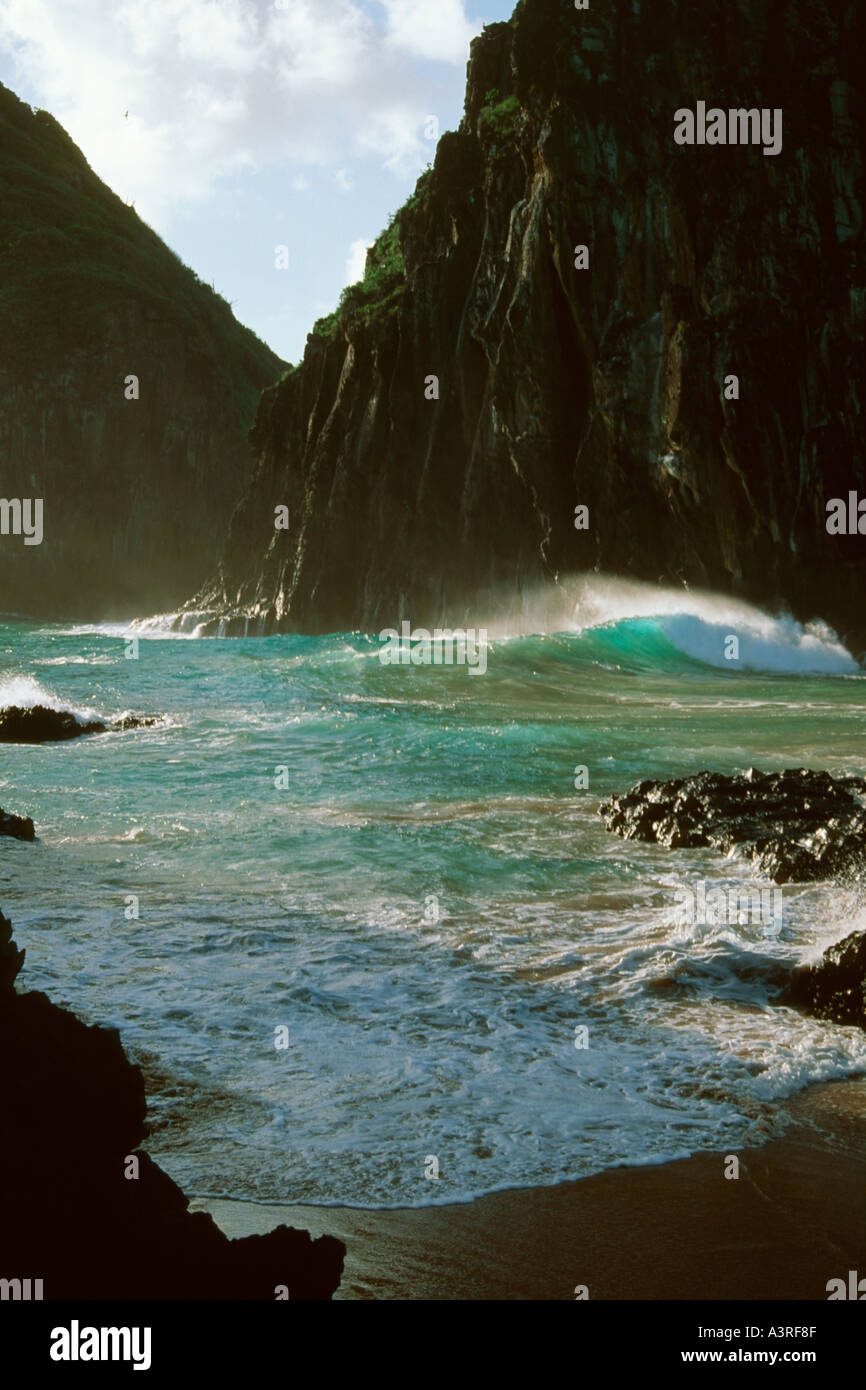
x: 25, y: 692
x: 643, y: 625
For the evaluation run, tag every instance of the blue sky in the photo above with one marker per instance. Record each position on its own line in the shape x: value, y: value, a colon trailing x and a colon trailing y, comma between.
x: 237, y: 126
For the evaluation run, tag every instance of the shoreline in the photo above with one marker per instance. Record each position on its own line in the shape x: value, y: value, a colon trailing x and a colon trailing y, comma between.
x: 794, y: 1219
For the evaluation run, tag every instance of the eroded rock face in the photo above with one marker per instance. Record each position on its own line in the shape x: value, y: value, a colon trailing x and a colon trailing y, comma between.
x: 137, y: 493
x: 798, y: 825
x: 72, y: 1108
x: 604, y: 387
x: 834, y: 988
x: 38, y: 724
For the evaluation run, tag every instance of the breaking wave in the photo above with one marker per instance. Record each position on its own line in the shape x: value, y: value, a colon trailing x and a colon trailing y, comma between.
x: 630, y: 624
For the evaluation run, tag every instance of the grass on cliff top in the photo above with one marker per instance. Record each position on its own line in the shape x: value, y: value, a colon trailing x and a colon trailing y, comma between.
x: 77, y: 266
x: 379, y: 294
x: 379, y: 291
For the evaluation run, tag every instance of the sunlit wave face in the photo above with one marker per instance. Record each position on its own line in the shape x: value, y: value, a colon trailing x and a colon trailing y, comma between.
x: 697, y: 624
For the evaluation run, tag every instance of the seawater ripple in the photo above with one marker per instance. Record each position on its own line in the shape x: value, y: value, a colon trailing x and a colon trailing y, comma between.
x: 422, y: 897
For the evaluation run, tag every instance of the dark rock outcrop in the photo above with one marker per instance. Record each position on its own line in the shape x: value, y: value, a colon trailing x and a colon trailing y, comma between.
x: 561, y: 386
x: 19, y: 827
x: 834, y: 988
x: 137, y: 493
x: 72, y: 1110
x: 798, y: 825
x: 133, y: 721
x: 38, y: 724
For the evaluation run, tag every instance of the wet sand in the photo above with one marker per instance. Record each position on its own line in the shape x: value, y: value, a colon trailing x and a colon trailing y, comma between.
x: 793, y: 1219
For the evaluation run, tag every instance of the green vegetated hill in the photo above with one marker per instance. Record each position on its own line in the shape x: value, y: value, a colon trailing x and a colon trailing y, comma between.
x: 137, y: 494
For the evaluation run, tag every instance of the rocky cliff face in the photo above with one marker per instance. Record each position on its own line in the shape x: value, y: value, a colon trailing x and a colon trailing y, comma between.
x: 137, y: 494
x: 602, y: 387
x: 83, y: 1208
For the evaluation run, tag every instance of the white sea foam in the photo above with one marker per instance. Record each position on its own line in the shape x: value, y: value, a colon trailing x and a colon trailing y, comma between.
x: 182, y: 626
x: 765, y: 644
x: 104, y: 660
x: 26, y: 692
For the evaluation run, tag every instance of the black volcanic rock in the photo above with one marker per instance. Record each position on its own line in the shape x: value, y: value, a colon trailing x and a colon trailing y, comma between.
x: 134, y: 721
x: 137, y: 493
x: 72, y: 1110
x: 798, y: 825
x: 834, y: 988
x: 561, y: 386
x: 38, y: 724
x: 19, y: 827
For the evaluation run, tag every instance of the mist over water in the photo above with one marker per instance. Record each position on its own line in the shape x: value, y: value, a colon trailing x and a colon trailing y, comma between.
x: 429, y: 905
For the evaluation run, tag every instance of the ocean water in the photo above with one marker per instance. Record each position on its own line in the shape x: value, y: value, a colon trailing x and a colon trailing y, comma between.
x: 422, y: 896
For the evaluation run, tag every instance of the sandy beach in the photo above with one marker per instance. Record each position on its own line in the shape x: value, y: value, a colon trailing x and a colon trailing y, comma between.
x: 793, y: 1219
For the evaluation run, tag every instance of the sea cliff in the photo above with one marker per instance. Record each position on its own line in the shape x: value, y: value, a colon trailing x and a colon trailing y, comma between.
x: 603, y: 387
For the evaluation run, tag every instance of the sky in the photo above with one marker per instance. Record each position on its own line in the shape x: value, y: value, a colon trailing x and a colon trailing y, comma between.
x: 237, y: 127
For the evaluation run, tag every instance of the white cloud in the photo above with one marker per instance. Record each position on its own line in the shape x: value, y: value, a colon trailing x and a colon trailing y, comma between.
x: 435, y: 29
x: 396, y: 134
x: 344, y: 180
x: 217, y: 86
x: 356, y: 261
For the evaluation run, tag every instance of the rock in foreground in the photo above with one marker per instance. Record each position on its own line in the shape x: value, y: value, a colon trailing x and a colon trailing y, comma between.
x: 73, y: 1108
x: 798, y: 825
x: 38, y: 724
x: 19, y: 827
x: 834, y: 988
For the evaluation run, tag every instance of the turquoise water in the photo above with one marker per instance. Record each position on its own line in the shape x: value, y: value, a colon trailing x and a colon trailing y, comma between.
x: 423, y: 898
